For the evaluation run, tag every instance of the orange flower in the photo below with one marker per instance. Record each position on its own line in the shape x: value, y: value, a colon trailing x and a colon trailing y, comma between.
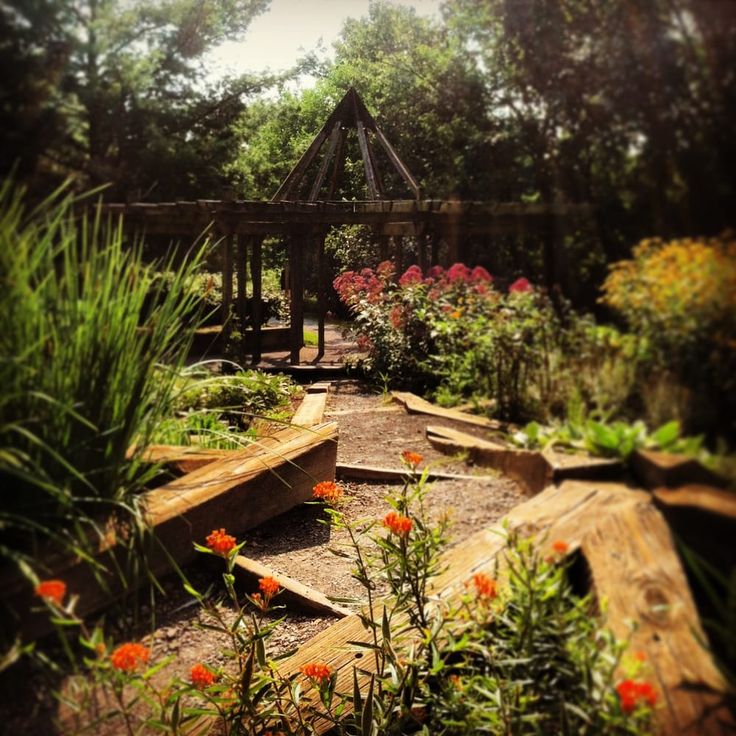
x: 398, y: 524
x: 127, y: 657
x: 51, y: 590
x: 221, y: 543
x: 327, y: 491
x: 560, y: 547
x: 202, y: 677
x: 269, y: 586
x: 485, y: 587
x: 317, y: 671
x: 633, y: 692
x: 412, y: 459
x: 640, y: 655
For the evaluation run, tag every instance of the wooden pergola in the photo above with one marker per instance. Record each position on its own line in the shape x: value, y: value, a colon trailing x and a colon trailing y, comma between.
x: 303, y: 210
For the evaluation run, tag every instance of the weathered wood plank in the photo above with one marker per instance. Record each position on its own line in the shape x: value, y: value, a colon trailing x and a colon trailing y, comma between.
x: 416, y: 405
x: 636, y: 570
x: 533, y: 469
x: 704, y: 498
x: 294, y: 593
x: 237, y: 492
x: 655, y: 469
x: 347, y: 471
x: 311, y: 411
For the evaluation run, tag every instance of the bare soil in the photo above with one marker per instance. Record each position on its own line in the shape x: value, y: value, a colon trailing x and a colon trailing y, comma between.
x: 373, y: 431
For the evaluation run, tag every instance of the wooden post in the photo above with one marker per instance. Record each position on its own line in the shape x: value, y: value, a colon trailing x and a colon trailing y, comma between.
x: 257, y: 276
x: 420, y: 230
x: 321, y: 295
x: 227, y: 280
x: 434, y: 244
x: 241, y: 269
x: 399, y: 250
x: 296, y: 268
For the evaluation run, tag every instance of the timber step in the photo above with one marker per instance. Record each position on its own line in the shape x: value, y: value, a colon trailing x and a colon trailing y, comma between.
x: 239, y: 491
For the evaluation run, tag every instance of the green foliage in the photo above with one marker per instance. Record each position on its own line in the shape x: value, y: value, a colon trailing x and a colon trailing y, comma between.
x: 88, y: 364
x: 123, y: 89
x: 680, y: 297
x: 609, y: 439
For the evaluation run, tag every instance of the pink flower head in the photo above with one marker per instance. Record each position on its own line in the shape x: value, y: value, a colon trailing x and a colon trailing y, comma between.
x: 457, y: 273
x: 385, y: 270
x: 436, y: 272
x: 520, y: 286
x: 480, y: 274
x: 412, y: 275
x: 396, y: 317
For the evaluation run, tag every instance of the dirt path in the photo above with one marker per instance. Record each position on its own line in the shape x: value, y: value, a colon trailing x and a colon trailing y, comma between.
x: 372, y: 432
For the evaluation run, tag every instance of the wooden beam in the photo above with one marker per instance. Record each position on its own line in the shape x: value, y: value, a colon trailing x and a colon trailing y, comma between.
x: 238, y: 492
x: 256, y: 270
x: 532, y: 469
x: 370, y: 173
x: 325, y: 163
x: 294, y: 593
x: 241, y: 269
x: 296, y: 307
x: 348, y: 471
x: 399, y: 165
x: 340, y: 154
x: 311, y: 411
x: 416, y: 405
x: 321, y: 296
x: 227, y: 278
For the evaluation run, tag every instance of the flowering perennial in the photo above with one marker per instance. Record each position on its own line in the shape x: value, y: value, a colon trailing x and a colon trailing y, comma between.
x: 397, y: 523
x: 128, y: 657
x: 51, y: 590
x: 413, y: 459
x: 633, y: 692
x: 202, y: 677
x: 269, y: 587
x: 560, y: 546
x: 317, y: 671
x: 521, y: 286
x: 327, y: 491
x: 485, y: 587
x: 221, y: 543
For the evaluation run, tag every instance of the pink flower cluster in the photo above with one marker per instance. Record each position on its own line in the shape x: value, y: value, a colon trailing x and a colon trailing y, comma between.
x: 458, y: 273
x: 352, y: 286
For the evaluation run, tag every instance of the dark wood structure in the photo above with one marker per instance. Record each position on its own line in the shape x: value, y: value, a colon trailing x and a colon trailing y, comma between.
x: 305, y: 220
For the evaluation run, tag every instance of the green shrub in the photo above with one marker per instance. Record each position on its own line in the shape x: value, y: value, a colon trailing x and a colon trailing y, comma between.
x: 681, y: 297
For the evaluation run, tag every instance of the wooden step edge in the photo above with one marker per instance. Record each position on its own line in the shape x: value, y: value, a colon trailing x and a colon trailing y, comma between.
x: 294, y: 593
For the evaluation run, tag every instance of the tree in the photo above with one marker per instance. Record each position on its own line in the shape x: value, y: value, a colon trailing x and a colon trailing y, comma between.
x: 124, y: 88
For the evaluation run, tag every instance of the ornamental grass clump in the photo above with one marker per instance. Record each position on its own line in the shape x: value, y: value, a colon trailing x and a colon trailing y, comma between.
x: 87, y: 363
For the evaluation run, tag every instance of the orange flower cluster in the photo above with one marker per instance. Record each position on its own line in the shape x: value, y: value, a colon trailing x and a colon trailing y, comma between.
x: 51, y: 590
x: 269, y: 588
x: 397, y: 523
x: 202, y: 677
x: 221, y: 543
x: 412, y: 459
x: 560, y: 547
x: 633, y: 692
x: 317, y: 671
x: 485, y: 587
x: 327, y: 491
x: 127, y: 657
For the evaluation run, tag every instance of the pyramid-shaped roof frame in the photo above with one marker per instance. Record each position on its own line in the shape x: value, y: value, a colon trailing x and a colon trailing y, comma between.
x: 350, y: 112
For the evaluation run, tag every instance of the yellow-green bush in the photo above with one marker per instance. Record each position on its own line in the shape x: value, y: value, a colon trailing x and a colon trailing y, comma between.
x: 680, y: 296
